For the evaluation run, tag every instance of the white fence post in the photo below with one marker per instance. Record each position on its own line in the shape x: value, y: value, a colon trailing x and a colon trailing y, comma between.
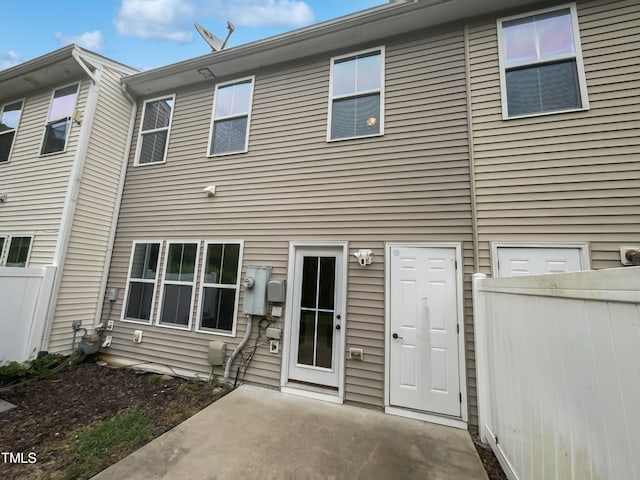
x: 479, y: 329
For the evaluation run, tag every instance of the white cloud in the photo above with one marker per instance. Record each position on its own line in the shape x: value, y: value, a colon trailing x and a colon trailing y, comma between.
x: 156, y: 19
x: 9, y: 59
x: 90, y: 40
x: 271, y: 13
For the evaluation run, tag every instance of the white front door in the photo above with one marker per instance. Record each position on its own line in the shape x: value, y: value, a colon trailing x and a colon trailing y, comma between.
x: 423, y: 344
x: 516, y: 261
x: 316, y: 328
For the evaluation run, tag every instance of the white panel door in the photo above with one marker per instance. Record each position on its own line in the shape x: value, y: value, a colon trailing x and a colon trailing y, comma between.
x: 315, y: 343
x: 423, y: 348
x: 515, y: 261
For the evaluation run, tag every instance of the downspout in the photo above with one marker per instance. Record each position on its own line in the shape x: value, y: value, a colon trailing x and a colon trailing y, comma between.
x: 116, y: 209
x: 238, y: 349
x: 71, y: 199
x: 472, y: 158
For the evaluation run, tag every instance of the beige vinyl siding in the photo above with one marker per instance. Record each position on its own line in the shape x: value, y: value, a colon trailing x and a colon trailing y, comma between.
x: 86, y: 253
x: 36, y: 185
x: 410, y: 185
x: 566, y: 177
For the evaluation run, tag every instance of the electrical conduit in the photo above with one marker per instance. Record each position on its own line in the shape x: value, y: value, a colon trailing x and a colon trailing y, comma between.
x: 238, y: 349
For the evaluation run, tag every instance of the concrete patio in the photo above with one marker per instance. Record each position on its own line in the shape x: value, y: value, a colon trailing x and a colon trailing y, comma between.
x: 260, y: 433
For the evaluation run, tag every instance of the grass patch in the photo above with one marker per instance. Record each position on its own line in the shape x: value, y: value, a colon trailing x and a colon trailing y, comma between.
x: 99, y: 442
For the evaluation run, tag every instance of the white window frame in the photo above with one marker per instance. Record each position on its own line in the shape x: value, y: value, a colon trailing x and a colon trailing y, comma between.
x: 177, y: 282
x: 203, y: 284
x: 230, y: 117
x: 70, y: 119
x: 577, y: 56
x: 7, y: 244
x: 136, y: 162
x: 123, y: 316
x: 23, y: 101
x: 380, y: 91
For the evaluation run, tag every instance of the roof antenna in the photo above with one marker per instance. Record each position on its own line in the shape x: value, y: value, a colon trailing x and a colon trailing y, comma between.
x: 214, y: 42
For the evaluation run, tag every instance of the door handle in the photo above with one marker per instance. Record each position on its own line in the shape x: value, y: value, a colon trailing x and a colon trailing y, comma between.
x: 395, y: 335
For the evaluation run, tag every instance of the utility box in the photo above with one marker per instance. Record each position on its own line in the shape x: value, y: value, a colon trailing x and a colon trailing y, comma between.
x: 255, y: 290
x: 276, y: 291
x: 216, y: 353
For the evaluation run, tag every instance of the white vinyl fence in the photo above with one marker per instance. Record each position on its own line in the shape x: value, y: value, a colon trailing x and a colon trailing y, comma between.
x: 24, y: 299
x: 558, y: 364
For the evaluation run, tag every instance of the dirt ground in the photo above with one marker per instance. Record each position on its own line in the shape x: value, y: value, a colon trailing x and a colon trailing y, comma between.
x: 52, y: 411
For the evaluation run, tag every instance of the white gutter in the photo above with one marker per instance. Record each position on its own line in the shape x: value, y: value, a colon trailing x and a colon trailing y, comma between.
x: 71, y: 199
x: 472, y: 156
x: 116, y: 210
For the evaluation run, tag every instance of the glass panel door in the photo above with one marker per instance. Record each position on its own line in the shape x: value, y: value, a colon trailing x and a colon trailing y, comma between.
x: 315, y: 338
x: 315, y: 341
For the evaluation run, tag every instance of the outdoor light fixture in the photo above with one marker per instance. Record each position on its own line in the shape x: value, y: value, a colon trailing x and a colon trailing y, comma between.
x: 364, y: 257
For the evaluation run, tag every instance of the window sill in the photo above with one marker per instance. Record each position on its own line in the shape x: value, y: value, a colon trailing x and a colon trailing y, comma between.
x: 136, y: 321
x: 53, y: 153
x: 218, y: 333
x: 544, y: 114
x: 225, y: 154
x: 135, y: 164
x: 332, y: 140
x: 186, y: 328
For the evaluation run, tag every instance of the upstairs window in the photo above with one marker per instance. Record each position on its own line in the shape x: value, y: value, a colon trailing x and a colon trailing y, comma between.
x: 15, y: 250
x: 178, y: 285
x: 219, y: 288
x: 63, y: 103
x: 141, y: 286
x: 9, y: 119
x: 541, y: 69
x: 357, y: 95
x: 231, y: 114
x: 154, y: 130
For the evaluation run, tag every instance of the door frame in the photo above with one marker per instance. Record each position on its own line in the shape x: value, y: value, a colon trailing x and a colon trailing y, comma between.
x: 582, y: 246
x: 289, y: 314
x: 462, y: 366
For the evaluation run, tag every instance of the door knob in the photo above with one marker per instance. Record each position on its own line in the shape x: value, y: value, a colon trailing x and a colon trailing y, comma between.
x: 395, y: 335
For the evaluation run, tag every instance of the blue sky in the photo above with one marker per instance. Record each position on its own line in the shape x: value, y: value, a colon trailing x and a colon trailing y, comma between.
x: 150, y: 33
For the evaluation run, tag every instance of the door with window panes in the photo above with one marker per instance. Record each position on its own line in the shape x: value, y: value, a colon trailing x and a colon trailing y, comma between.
x: 316, y: 329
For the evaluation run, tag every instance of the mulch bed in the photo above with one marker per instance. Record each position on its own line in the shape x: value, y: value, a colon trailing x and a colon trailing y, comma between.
x: 49, y: 411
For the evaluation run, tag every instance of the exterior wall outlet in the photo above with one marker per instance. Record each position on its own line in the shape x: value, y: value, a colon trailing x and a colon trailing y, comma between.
x: 110, y: 325
x: 137, y: 336
x: 274, y: 346
x: 356, y: 353
x: 107, y: 341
